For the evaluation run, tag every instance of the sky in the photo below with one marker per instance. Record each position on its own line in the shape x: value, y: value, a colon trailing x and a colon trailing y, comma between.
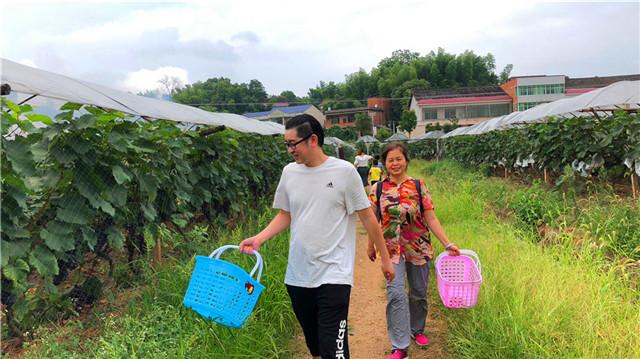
x: 293, y: 45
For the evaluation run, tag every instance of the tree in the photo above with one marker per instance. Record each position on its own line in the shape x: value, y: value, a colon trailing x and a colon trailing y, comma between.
x: 168, y: 84
x: 360, y: 85
x: 349, y: 134
x: 364, y: 125
x: 287, y: 96
x: 403, y: 57
x: 451, y: 74
x: 506, y: 72
x: 383, y: 134
x: 345, y: 134
x: 434, y: 75
x: 221, y: 95
x: 408, y: 121
x: 325, y: 91
x: 432, y: 127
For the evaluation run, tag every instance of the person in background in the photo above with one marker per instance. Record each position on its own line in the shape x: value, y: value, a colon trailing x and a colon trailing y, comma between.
x: 319, y: 198
x: 406, y: 214
x: 375, y: 172
x: 362, y: 165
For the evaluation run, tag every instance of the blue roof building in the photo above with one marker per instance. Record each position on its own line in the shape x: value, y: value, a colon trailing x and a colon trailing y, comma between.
x: 280, y: 114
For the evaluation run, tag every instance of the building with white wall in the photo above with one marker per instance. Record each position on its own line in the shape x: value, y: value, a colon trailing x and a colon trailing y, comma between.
x: 471, y: 105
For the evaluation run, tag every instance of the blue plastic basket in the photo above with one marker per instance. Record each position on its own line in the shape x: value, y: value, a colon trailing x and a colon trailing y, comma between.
x: 222, y: 291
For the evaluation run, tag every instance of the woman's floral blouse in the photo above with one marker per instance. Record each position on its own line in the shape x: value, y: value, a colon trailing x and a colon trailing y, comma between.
x: 404, y: 230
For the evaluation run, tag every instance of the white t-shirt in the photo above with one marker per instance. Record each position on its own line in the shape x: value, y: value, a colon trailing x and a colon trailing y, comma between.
x: 362, y: 161
x: 322, y: 201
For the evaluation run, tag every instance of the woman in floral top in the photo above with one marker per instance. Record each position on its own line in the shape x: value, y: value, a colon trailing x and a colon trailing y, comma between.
x: 406, y: 233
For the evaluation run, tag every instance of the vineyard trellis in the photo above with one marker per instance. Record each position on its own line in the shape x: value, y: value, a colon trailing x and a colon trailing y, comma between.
x: 602, y: 145
x: 93, y: 181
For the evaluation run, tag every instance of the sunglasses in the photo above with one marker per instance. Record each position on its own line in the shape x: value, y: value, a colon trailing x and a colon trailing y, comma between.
x: 292, y: 145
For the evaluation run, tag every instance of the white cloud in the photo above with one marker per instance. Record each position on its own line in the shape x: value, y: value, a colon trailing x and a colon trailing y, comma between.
x: 144, y: 79
x: 290, y: 45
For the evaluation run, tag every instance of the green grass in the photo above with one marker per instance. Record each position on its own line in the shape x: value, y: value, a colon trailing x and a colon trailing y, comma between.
x: 156, y: 324
x: 553, y: 301
x: 538, y: 299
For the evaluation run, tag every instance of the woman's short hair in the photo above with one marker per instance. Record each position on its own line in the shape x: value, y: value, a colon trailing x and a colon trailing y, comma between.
x: 395, y: 146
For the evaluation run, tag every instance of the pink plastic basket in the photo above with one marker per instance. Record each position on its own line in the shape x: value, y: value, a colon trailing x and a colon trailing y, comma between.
x: 459, y: 278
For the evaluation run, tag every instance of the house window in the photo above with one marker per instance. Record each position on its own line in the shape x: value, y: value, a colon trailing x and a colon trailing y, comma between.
x: 450, y: 112
x: 530, y: 90
x: 478, y: 111
x: 489, y: 110
x: 522, y: 106
x: 499, y: 109
x: 430, y: 114
x: 335, y: 120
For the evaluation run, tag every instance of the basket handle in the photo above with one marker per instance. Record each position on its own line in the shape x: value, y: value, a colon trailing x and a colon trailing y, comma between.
x: 259, y: 263
x: 472, y: 254
x: 466, y: 252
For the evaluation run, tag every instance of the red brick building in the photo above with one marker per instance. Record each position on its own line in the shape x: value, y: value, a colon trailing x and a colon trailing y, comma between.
x: 378, y: 109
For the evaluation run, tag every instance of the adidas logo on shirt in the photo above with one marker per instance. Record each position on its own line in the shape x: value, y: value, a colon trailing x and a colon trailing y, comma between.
x: 330, y: 185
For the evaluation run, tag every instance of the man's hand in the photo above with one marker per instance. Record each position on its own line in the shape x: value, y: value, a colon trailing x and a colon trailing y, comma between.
x: 250, y: 244
x: 371, y: 253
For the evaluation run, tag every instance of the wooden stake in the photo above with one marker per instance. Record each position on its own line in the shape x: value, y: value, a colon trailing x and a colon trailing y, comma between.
x: 157, y: 253
x: 633, y: 185
x: 546, y: 176
x: 506, y: 173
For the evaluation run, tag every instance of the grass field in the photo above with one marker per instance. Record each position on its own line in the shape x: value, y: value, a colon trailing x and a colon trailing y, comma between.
x: 155, y: 324
x: 563, y: 300
x: 566, y: 295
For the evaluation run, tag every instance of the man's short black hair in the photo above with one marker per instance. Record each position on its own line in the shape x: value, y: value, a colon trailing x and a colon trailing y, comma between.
x: 306, y: 125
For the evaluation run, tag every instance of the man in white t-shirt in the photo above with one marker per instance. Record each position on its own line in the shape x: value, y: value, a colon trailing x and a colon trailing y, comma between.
x: 319, y: 197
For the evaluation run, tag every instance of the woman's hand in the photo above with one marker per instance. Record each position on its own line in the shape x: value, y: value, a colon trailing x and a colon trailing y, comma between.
x: 388, y: 271
x: 371, y: 253
x: 453, y: 250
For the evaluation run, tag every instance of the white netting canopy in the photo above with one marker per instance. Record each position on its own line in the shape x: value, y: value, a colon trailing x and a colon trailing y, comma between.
x: 433, y: 134
x: 398, y: 136
x: 620, y: 95
x: 367, y: 139
x: 28, y: 80
x: 457, y: 132
x: 624, y: 95
x: 492, y: 124
x: 428, y: 135
x: 334, y: 141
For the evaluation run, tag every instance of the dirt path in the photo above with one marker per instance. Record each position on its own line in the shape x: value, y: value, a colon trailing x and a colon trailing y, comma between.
x: 367, y: 323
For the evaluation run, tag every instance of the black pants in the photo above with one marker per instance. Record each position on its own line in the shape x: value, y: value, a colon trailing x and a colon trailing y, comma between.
x: 322, y: 313
x: 364, y: 173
